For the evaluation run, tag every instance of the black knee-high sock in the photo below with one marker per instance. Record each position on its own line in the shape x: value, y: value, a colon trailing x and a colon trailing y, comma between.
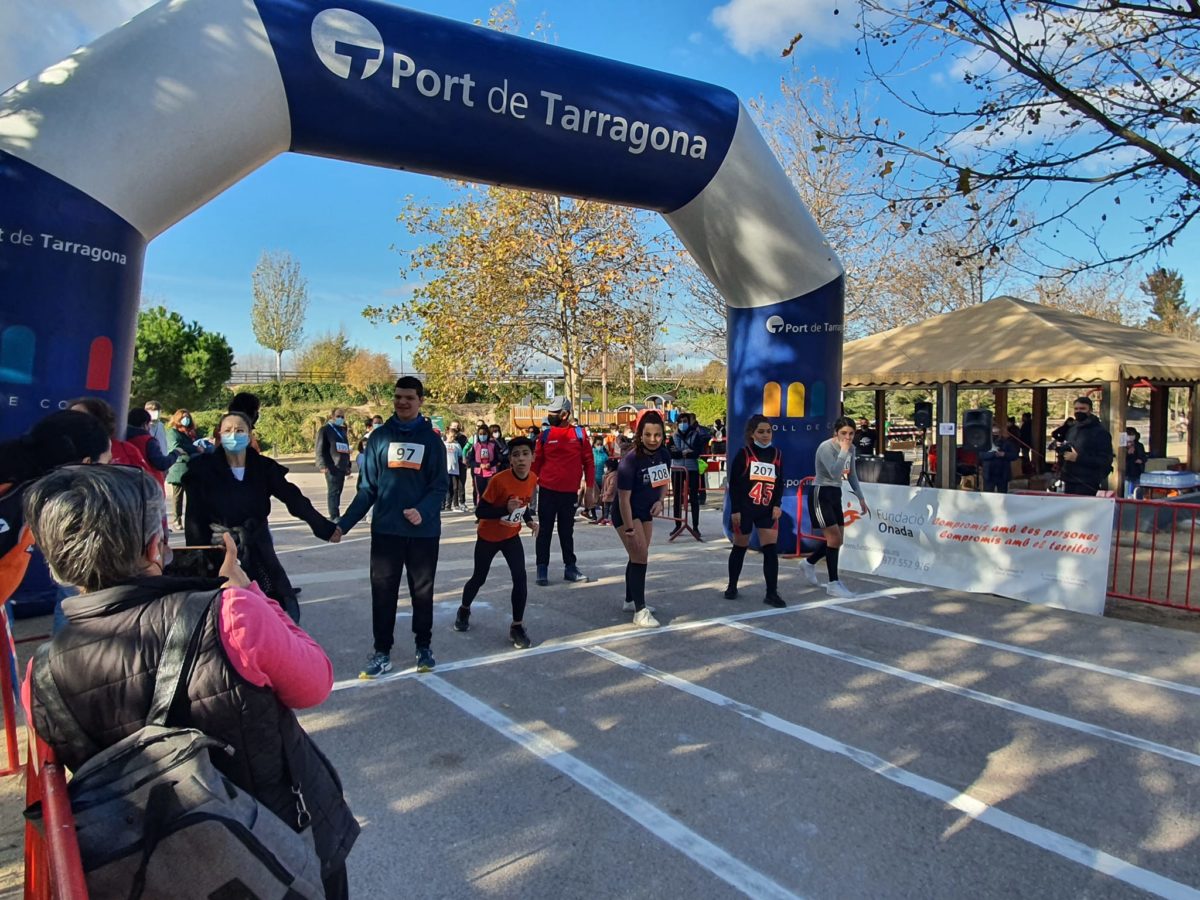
x: 815, y: 556
x: 770, y: 555
x: 635, y: 584
x: 831, y: 560
x: 628, y: 596
x: 737, y: 556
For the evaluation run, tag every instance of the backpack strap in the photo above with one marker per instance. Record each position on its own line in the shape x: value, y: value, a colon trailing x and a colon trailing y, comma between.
x: 46, y: 689
x: 179, y: 655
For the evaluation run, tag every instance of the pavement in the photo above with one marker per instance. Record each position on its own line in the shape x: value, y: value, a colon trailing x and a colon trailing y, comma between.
x: 910, y: 742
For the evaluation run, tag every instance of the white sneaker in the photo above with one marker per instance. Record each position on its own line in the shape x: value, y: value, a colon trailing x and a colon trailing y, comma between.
x: 643, y: 619
x: 628, y: 606
x: 810, y: 573
x: 837, y: 589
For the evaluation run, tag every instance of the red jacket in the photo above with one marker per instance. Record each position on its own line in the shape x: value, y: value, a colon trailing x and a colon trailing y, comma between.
x: 563, y: 458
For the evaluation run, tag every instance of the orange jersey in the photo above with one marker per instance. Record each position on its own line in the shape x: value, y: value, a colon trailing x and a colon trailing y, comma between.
x: 502, y: 488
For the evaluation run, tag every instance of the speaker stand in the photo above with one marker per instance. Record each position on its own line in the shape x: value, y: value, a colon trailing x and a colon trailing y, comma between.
x: 925, y: 479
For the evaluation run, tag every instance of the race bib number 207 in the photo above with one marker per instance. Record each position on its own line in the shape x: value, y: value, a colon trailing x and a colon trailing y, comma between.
x: 405, y: 456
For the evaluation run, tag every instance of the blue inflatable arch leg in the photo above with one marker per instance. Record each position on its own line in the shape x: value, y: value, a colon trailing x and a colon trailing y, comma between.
x: 107, y: 149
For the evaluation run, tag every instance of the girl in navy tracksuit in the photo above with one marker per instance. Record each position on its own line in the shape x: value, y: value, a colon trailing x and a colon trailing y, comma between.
x: 642, y: 477
x: 755, y: 497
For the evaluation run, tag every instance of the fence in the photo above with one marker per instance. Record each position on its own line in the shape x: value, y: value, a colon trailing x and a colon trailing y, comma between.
x: 1154, y: 543
x: 53, y: 867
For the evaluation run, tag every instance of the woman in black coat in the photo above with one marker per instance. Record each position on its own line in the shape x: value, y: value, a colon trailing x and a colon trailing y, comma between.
x: 231, y: 490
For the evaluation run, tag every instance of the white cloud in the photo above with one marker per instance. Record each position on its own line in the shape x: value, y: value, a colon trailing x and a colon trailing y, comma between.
x: 35, y: 34
x: 754, y: 26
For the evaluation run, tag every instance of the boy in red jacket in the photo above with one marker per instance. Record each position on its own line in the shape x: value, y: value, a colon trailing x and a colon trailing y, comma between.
x: 562, y: 459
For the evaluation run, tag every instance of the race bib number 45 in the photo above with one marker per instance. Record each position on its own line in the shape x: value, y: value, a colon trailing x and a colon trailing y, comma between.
x: 405, y: 456
x: 762, y: 471
x: 658, y: 474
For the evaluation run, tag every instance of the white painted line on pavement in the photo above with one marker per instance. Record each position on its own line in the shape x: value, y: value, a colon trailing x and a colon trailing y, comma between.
x: 700, y: 850
x: 610, y: 637
x: 1033, y: 712
x: 1035, y: 654
x: 323, y: 545
x: 1024, y: 830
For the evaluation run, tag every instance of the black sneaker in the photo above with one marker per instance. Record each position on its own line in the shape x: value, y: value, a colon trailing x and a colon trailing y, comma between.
x: 378, y: 664
x: 572, y: 573
x: 519, y: 638
x: 425, y: 660
x: 462, y: 619
x: 774, y: 600
x: 543, y: 576
x: 731, y: 593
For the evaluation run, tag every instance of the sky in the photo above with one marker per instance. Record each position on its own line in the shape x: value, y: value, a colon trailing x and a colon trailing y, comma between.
x: 338, y: 219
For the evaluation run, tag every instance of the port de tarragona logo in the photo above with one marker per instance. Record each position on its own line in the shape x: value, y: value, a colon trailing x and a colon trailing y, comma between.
x: 348, y: 44
x: 775, y: 324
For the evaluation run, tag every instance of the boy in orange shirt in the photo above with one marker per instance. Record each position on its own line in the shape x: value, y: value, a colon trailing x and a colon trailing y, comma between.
x: 503, y: 507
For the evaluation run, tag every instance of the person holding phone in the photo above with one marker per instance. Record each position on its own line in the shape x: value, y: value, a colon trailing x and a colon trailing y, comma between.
x: 252, y: 667
x: 756, y: 498
x: 835, y: 464
x: 642, y: 478
x: 231, y: 491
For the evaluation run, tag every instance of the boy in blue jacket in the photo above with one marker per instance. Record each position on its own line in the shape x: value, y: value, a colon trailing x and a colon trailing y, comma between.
x: 405, y: 479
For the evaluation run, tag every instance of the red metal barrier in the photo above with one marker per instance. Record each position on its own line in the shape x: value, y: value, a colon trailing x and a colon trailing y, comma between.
x: 53, y: 866
x: 1162, y: 572
x: 801, y: 535
x: 9, y: 700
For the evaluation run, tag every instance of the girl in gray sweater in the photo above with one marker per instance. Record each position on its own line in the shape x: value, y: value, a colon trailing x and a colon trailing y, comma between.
x: 835, y: 463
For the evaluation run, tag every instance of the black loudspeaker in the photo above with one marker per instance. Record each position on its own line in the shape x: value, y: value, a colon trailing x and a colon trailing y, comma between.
x: 923, y: 414
x: 977, y: 429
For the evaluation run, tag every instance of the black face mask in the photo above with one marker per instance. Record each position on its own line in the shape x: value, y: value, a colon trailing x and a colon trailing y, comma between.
x: 1081, y: 416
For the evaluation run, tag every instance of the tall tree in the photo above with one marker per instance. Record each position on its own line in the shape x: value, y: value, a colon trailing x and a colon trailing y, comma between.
x: 1065, y: 107
x: 512, y: 277
x: 177, y: 362
x: 280, y: 304
x: 325, y: 357
x: 1169, y: 312
x: 371, y: 373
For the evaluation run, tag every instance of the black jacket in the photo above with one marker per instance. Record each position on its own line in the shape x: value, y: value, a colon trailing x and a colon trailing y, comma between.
x: 1095, y: 449
x: 327, y: 455
x: 104, y: 664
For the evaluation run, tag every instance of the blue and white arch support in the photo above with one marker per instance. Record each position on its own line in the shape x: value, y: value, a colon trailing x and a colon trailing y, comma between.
x: 109, y: 148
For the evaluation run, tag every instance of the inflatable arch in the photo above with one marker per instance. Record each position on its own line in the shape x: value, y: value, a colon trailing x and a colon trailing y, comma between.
x: 107, y: 149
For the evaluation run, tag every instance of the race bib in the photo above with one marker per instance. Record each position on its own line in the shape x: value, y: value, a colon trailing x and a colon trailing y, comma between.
x: 484, y: 454
x: 341, y: 447
x: 762, y: 471
x: 658, y: 474
x: 405, y: 456
x: 515, y: 517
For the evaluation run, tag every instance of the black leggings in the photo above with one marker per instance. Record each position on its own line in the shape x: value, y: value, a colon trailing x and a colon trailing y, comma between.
x: 693, y: 491
x: 514, y: 555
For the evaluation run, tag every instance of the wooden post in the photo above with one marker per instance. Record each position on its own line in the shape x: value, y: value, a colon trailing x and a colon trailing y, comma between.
x: 1112, y: 417
x: 947, y: 444
x: 1193, y: 433
x: 1156, y: 440
x: 881, y: 419
x: 1000, y: 402
x: 1039, y: 429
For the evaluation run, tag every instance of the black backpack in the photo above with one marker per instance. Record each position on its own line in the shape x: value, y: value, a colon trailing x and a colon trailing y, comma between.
x: 154, y: 816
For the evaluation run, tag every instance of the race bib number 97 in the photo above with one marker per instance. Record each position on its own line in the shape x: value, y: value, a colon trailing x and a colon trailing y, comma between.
x: 658, y: 474
x: 762, y: 471
x: 405, y: 456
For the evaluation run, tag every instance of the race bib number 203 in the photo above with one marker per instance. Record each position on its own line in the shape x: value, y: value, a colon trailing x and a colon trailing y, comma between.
x: 405, y: 456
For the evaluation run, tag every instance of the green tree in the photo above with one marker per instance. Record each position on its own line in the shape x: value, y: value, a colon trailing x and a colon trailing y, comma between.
x: 280, y: 304
x: 1169, y: 311
x: 326, y: 357
x: 178, y: 362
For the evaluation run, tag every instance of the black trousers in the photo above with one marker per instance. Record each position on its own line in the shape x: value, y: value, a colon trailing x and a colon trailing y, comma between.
x: 514, y: 555
x: 479, y: 485
x: 693, y: 490
x: 390, y: 553
x: 1080, y: 488
x: 454, y: 489
x: 556, y: 507
x: 334, y: 483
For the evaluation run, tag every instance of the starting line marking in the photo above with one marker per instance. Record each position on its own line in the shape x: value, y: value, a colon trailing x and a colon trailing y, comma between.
x: 700, y: 850
x: 1033, y: 712
x: 1015, y: 826
x: 1035, y: 654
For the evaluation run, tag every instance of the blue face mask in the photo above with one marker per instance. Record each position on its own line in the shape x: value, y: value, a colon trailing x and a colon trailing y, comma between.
x: 235, y: 443
x: 761, y: 446
x: 185, y: 421
x: 683, y: 427
x: 339, y: 421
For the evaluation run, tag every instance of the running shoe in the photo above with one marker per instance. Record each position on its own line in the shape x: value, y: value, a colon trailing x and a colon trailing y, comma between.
x: 774, y: 600
x: 462, y: 619
x: 628, y: 606
x: 731, y: 593
x: 378, y: 664
x: 837, y: 589
x: 543, y: 576
x: 572, y: 573
x: 520, y: 640
x: 678, y: 530
x: 643, y: 619
x: 425, y: 660
x: 810, y: 573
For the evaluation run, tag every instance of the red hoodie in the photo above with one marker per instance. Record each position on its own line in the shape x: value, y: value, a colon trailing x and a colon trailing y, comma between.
x: 563, y: 458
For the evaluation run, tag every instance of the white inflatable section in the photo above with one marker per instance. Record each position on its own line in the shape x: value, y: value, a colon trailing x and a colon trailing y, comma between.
x: 749, y: 231
x: 156, y: 118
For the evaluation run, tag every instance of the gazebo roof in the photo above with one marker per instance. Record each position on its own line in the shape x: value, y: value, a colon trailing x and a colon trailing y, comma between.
x: 1011, y: 341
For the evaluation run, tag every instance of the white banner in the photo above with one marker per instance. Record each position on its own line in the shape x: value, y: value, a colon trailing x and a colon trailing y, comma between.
x: 1051, y: 550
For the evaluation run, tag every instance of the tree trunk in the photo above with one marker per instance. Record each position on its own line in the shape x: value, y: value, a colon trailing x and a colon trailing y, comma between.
x: 604, y: 378
x: 279, y: 365
x: 632, y: 363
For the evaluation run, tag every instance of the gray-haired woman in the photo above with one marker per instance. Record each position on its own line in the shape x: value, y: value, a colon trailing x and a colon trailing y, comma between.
x: 100, y: 528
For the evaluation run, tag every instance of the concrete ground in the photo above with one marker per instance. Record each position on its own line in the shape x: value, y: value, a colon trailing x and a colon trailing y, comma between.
x: 911, y: 742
